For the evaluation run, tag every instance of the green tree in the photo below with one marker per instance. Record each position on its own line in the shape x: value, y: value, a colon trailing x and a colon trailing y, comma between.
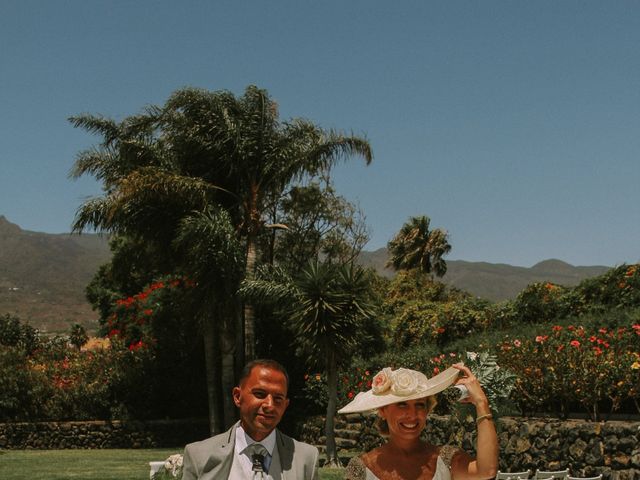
x: 214, y: 262
x: 320, y: 224
x: 200, y: 151
x: 78, y: 336
x: 326, y: 305
x: 415, y: 246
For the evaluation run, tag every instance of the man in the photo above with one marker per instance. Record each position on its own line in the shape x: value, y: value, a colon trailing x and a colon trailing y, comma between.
x: 253, y: 448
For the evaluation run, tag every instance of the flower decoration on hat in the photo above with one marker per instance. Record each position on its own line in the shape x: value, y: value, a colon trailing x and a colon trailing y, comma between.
x: 401, y: 382
x: 405, y: 382
x: 382, y: 381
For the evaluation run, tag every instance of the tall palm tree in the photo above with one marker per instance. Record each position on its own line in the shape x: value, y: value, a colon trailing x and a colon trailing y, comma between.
x: 326, y: 305
x: 254, y: 156
x: 213, y: 260
x: 415, y: 246
x: 200, y: 149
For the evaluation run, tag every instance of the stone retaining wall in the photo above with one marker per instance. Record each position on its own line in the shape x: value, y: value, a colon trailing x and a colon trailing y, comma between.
x: 101, y: 434
x: 586, y: 448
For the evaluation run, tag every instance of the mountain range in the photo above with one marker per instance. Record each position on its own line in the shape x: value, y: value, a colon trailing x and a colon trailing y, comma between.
x: 43, y: 276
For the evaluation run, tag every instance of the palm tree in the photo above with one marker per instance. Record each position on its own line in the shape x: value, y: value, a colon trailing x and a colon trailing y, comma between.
x: 200, y: 150
x: 415, y: 246
x: 213, y: 260
x: 326, y: 305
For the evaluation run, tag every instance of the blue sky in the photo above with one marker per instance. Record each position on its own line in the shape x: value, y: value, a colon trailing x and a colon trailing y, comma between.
x: 515, y: 125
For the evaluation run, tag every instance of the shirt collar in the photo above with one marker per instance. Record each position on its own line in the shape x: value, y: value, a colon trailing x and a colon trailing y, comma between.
x: 243, y: 440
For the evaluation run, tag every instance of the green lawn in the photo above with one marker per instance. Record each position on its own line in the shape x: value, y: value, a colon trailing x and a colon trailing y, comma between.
x: 90, y: 464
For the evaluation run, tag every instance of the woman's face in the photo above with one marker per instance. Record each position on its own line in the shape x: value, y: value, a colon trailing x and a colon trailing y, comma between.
x: 406, y: 419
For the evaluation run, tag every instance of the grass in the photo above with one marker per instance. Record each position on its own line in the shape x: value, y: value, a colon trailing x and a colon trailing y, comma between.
x: 92, y: 464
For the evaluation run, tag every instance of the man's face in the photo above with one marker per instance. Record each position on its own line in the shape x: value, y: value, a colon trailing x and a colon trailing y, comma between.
x: 262, y: 400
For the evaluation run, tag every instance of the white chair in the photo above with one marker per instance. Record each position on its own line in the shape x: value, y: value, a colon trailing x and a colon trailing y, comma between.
x: 597, y: 477
x: 552, y: 474
x: 155, y: 467
x: 513, y: 475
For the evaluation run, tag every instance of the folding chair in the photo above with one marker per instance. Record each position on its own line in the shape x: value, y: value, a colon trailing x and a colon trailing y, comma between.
x: 553, y: 474
x: 513, y: 475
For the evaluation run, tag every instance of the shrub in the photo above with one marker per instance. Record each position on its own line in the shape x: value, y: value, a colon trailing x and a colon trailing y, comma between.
x: 440, y: 323
x: 562, y: 367
x: 617, y: 288
x: 540, y: 302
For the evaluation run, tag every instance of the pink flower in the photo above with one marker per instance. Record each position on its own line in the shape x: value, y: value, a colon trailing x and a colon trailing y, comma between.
x: 517, y: 342
x: 382, y: 381
x: 541, y: 338
x: 574, y: 343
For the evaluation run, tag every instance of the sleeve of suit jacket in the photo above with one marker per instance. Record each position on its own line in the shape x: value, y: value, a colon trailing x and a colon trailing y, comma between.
x: 188, y: 467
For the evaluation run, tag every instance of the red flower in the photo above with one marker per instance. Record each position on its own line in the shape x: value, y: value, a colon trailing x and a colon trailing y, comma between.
x: 592, y: 339
x: 597, y: 350
x: 147, y: 311
x: 350, y: 394
x: 541, y: 338
x: 556, y: 328
x: 440, y: 330
x: 136, y: 346
x: 113, y: 333
x: 574, y: 343
x: 436, y: 370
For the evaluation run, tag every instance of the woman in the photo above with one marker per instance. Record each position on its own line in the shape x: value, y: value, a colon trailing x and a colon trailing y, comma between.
x: 404, y: 398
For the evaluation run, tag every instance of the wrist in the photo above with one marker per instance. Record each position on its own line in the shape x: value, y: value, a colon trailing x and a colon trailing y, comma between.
x: 482, y: 407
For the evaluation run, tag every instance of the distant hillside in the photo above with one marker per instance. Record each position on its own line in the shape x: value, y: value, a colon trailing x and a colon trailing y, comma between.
x: 496, y: 281
x: 43, y: 276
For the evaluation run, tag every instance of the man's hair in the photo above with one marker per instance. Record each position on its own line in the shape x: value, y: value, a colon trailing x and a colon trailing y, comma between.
x: 263, y: 362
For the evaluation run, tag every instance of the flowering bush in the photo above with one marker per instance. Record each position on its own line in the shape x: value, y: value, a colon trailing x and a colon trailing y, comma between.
x: 420, y: 323
x: 172, y: 469
x: 540, y: 302
x: 562, y: 367
x: 137, y: 321
x: 617, y: 288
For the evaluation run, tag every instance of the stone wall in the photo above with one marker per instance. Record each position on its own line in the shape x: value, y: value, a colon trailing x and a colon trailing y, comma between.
x: 586, y: 448
x: 101, y: 434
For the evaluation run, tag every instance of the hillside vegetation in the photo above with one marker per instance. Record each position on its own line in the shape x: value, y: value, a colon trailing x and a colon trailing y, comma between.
x: 495, y: 281
x: 43, y: 276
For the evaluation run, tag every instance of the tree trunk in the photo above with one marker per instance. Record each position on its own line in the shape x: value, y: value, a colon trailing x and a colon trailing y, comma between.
x: 249, y: 320
x: 329, y: 425
x: 227, y: 347
x: 213, y: 378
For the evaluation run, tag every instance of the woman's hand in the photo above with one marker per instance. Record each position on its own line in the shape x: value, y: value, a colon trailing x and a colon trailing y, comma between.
x: 476, y: 395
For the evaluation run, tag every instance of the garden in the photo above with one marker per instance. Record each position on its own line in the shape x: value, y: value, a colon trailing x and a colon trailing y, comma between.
x: 230, y: 243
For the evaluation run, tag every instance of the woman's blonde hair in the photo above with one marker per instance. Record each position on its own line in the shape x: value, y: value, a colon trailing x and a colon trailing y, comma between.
x: 383, y: 427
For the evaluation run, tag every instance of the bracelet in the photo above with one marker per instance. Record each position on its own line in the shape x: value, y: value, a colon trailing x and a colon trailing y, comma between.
x: 482, y: 417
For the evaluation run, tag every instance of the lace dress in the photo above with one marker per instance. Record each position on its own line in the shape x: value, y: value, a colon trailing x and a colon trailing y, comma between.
x: 357, y: 470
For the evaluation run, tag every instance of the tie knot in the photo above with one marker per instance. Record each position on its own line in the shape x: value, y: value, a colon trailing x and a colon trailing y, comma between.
x: 257, y: 453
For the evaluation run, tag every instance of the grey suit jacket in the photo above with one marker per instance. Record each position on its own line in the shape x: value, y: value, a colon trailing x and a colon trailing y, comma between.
x: 211, y: 459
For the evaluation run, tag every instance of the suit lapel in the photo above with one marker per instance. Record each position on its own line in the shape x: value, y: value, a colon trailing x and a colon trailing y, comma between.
x: 226, y: 453
x: 285, y: 458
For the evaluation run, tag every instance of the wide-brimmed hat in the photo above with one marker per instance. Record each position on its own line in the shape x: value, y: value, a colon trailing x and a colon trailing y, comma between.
x: 393, y: 386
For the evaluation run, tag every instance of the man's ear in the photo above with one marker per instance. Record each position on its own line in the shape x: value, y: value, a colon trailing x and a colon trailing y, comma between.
x: 236, y: 396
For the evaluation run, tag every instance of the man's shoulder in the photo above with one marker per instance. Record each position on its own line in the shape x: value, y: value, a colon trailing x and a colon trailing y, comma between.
x: 209, y: 443
x: 297, y: 445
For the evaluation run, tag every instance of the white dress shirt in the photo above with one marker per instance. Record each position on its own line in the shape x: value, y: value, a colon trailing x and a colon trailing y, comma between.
x: 242, y: 460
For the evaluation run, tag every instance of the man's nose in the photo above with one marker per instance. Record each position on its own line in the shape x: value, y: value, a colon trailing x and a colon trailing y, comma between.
x: 268, y: 401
